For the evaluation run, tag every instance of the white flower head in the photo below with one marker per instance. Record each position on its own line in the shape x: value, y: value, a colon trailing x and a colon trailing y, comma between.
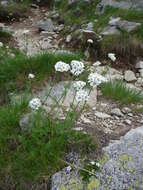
x: 95, y: 79
x: 98, y: 164
x: 92, y: 163
x: 78, y: 85
x: 35, y: 104
x: 31, y: 76
x: 77, y: 67
x: 62, y: 67
x: 81, y: 96
x: 90, y: 41
x: 112, y: 56
x: 1, y: 44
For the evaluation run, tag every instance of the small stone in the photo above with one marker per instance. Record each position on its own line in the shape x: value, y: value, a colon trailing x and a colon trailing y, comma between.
x: 102, y: 115
x: 127, y: 121
x: 78, y: 129
x: 110, y: 30
x: 85, y: 120
x: 139, y: 65
x: 117, y: 112
x: 130, y: 76
x: 126, y: 110
x: 141, y: 73
x: 127, y: 26
x: 68, y: 38
x: 46, y: 25
x: 130, y: 114
x: 114, y: 21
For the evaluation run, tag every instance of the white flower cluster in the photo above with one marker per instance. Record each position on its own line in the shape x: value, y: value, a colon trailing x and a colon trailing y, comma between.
x: 81, y: 96
x: 62, y: 67
x: 31, y: 76
x: 90, y: 41
x: 77, y: 67
x: 96, y: 79
x: 112, y: 56
x: 35, y: 104
x: 78, y: 85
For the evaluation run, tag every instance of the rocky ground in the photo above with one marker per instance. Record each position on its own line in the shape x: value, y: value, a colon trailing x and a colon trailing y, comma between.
x: 121, y: 166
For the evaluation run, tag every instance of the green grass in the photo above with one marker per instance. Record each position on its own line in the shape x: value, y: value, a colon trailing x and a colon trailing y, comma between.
x: 118, y: 91
x: 14, y: 71
x: 4, y: 34
x: 28, y: 156
x: 14, y: 9
x: 78, y: 13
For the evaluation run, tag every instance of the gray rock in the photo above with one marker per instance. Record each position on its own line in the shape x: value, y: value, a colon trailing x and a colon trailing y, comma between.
x: 128, y: 122
x: 117, y: 112
x: 46, y: 25
x: 123, y: 4
x: 141, y: 72
x: 139, y: 65
x: 120, y: 169
x: 126, y: 110
x: 130, y: 76
x: 102, y: 115
x: 110, y: 30
x: 68, y: 38
x: 57, y: 92
x: 123, y: 163
x: 90, y: 26
x: 74, y: 2
x: 113, y: 21
x: 127, y: 26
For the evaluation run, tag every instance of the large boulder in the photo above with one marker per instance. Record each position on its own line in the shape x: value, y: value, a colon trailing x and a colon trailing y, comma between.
x: 123, y: 4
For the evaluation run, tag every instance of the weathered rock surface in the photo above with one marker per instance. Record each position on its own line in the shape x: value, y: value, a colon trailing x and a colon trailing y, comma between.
x: 46, y: 25
x: 130, y: 76
x: 121, y: 167
x: 124, y: 4
x: 59, y: 89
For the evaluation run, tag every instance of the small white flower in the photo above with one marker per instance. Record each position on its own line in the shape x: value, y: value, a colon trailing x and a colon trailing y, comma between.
x: 95, y: 79
x: 98, y: 164
x: 81, y: 96
x: 31, y: 76
x: 62, y: 67
x: 92, y: 162
x: 112, y: 56
x: 1, y: 44
x: 35, y: 104
x: 78, y: 85
x: 90, y: 41
x: 77, y: 67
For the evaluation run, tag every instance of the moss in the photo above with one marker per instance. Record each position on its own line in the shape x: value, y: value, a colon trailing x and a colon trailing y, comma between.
x: 124, y: 160
x: 72, y: 185
x: 104, y: 159
x: 93, y: 183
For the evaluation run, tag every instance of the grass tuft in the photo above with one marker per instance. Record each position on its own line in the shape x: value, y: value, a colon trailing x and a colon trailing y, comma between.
x: 39, y: 151
x: 118, y: 91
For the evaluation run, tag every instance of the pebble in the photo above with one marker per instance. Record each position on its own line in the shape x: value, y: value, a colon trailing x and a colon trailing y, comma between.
x: 102, y: 115
x: 117, y: 112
